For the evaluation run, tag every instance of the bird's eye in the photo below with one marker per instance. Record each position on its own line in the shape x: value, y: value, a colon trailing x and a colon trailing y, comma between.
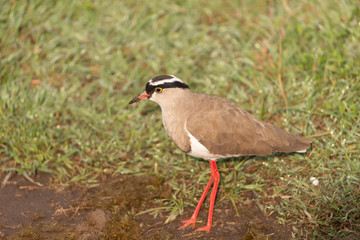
x: 158, y: 90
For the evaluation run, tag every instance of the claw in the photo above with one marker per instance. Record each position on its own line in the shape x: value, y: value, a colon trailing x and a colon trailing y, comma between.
x: 188, y: 222
x: 206, y: 228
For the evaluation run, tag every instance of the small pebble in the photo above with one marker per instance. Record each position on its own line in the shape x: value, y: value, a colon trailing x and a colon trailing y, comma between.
x: 314, y: 181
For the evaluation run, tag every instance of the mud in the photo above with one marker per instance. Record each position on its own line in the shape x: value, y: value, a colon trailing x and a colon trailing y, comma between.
x: 109, y: 211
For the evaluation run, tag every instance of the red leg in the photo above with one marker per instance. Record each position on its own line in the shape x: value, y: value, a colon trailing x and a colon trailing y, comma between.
x: 216, y: 176
x: 192, y: 220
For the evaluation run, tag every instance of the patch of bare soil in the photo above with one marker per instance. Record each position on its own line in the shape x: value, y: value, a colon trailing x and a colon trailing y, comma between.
x: 108, y: 211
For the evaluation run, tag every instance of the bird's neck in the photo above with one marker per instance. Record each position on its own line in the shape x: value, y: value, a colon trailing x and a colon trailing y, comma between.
x: 176, y: 102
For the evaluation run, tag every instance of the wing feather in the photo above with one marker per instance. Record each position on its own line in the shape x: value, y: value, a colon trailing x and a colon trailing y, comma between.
x: 224, y: 128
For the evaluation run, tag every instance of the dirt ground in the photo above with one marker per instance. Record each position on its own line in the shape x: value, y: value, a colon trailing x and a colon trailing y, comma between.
x: 108, y: 211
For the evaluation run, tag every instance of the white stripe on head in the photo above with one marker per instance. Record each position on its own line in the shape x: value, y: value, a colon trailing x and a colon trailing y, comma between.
x: 168, y: 80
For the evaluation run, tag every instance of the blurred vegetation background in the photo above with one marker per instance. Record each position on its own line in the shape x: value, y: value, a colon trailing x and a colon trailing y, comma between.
x: 69, y: 68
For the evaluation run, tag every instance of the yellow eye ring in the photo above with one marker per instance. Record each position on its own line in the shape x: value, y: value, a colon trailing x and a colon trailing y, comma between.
x: 158, y: 89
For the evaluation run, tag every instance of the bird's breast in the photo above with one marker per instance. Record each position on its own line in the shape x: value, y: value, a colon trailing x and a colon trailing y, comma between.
x: 174, y: 126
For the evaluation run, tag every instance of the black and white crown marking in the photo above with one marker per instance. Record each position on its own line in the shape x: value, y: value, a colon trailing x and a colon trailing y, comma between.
x: 164, y: 81
x: 161, y: 77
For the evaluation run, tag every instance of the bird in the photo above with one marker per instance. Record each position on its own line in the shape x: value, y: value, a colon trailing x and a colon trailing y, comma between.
x: 212, y: 128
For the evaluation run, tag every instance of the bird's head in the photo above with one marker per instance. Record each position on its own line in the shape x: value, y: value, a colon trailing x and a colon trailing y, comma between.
x: 160, y: 88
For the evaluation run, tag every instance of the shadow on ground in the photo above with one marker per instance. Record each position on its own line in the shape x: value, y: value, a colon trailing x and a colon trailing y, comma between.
x: 108, y: 211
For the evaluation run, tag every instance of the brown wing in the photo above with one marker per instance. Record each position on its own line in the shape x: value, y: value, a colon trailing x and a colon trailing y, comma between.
x: 226, y: 129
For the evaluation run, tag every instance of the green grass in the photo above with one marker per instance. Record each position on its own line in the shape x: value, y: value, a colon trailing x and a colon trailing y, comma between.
x: 69, y: 68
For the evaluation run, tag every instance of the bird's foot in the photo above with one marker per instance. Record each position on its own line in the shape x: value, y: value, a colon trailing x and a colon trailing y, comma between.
x: 192, y: 221
x: 206, y: 228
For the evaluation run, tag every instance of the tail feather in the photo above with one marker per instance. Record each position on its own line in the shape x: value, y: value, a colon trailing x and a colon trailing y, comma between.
x: 287, y: 142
